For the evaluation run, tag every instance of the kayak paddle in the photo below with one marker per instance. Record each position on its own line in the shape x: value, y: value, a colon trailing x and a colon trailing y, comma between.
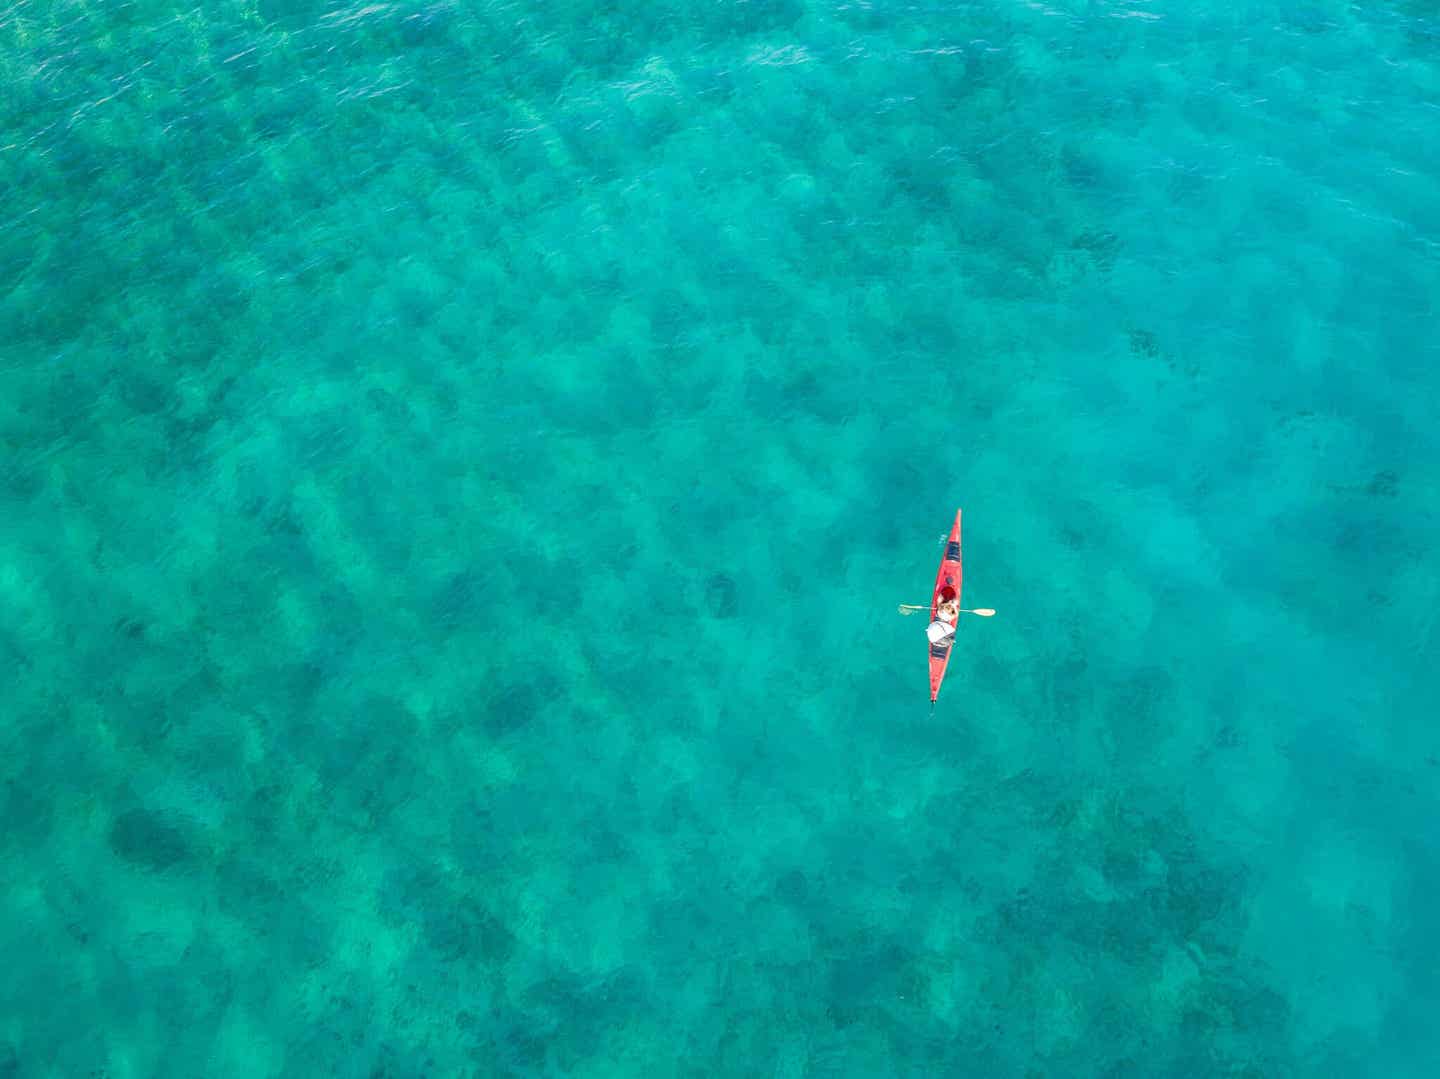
x: 911, y: 608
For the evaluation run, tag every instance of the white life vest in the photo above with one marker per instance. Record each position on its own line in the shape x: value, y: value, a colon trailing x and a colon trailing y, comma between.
x: 939, y: 632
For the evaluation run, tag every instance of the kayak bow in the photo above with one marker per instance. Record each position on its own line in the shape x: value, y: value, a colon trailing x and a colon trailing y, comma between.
x: 949, y: 577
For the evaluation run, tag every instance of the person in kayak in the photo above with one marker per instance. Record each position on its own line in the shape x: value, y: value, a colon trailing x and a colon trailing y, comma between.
x: 947, y: 612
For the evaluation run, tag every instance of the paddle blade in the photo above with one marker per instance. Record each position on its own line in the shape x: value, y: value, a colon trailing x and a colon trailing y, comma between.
x: 911, y: 608
x: 984, y: 612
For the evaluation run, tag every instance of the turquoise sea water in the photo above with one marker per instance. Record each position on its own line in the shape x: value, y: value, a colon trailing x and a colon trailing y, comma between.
x: 461, y: 460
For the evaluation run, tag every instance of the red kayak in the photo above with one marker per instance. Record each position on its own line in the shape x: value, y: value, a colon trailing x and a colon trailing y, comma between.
x: 947, y: 587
